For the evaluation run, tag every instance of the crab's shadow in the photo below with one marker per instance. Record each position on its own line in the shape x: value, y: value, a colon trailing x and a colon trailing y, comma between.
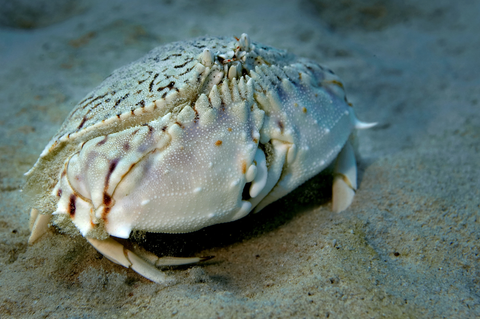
x: 313, y: 193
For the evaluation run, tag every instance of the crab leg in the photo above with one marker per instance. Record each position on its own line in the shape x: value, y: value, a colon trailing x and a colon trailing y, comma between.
x: 38, y: 225
x: 117, y: 253
x: 345, y: 179
x: 168, y: 261
x: 144, y: 265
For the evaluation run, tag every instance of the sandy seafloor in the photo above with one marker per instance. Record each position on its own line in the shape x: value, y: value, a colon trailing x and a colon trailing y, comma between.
x: 408, y: 247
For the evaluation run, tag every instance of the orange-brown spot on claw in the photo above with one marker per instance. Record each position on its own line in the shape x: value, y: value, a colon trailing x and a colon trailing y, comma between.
x: 304, y: 109
x: 179, y: 124
x: 218, y: 143
x: 244, y: 167
x: 280, y: 125
x: 105, y: 212
x: 113, y: 164
x: 255, y: 140
x: 71, y: 206
x: 229, y: 129
x: 107, y: 199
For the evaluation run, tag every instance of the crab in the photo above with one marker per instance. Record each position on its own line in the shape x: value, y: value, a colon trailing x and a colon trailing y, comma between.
x: 195, y: 133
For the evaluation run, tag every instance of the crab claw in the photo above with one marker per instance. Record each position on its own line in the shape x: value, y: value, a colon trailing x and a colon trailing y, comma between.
x: 38, y: 225
x: 261, y: 176
x: 345, y: 179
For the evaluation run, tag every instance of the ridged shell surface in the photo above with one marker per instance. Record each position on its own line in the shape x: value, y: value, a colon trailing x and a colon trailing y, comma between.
x: 194, y: 133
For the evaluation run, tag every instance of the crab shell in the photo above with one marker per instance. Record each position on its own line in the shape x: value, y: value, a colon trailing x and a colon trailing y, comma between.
x: 193, y: 134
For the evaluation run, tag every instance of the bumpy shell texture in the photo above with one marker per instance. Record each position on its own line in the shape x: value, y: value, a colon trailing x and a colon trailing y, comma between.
x: 194, y: 133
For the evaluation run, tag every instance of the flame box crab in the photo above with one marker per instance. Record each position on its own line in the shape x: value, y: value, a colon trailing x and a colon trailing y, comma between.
x: 193, y: 134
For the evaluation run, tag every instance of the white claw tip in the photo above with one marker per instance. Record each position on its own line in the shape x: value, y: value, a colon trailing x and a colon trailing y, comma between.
x: 359, y: 125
